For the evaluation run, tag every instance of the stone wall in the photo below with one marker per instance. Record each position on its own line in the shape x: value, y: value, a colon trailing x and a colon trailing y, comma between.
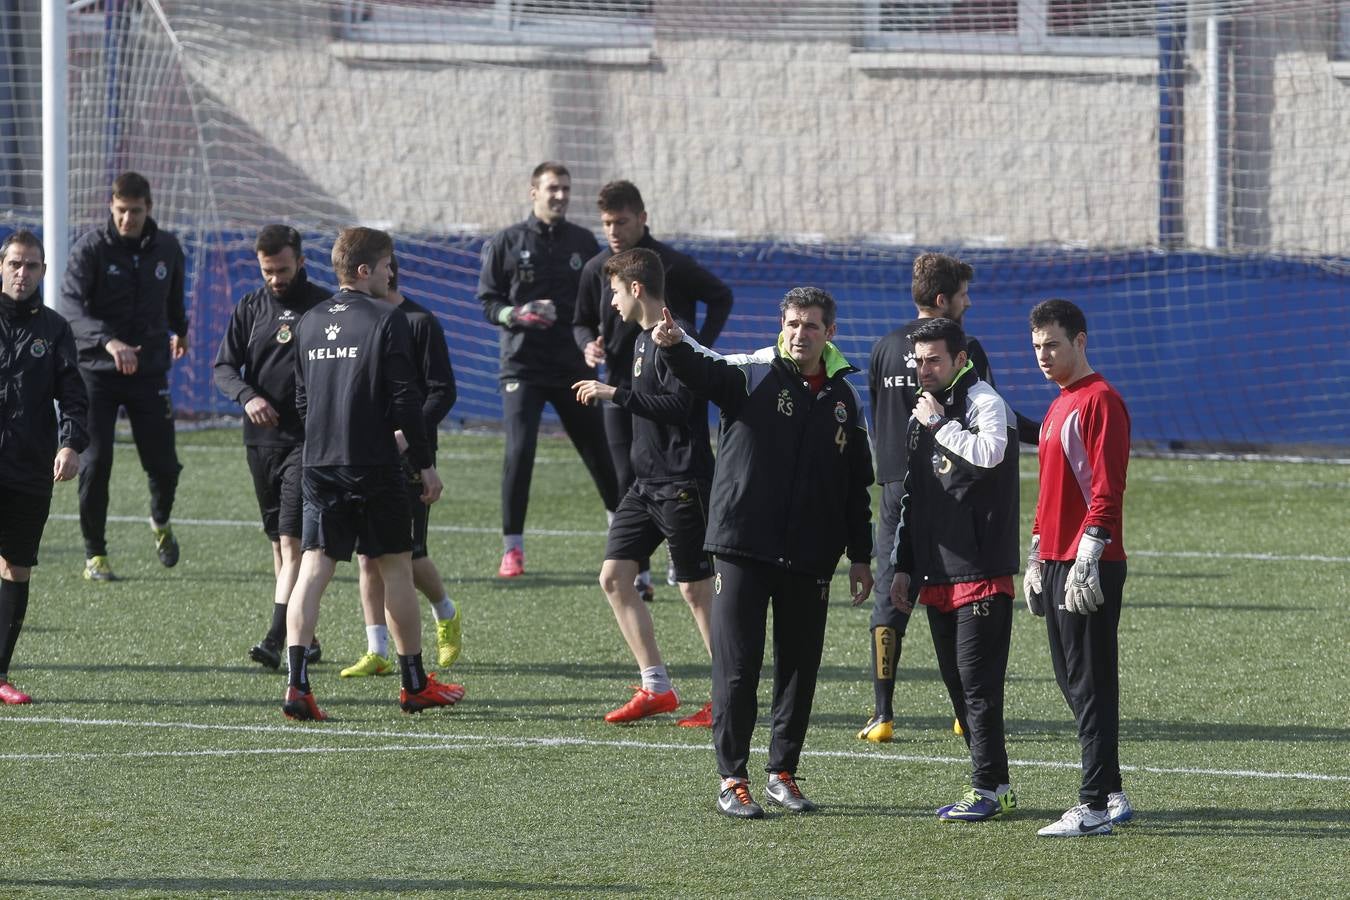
x: 769, y: 136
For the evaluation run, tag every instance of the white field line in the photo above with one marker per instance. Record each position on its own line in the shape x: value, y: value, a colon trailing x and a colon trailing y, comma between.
x: 427, y: 742
x: 559, y: 532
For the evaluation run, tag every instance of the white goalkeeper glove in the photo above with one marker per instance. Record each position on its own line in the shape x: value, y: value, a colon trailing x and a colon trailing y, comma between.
x: 1031, y: 581
x: 1083, y: 592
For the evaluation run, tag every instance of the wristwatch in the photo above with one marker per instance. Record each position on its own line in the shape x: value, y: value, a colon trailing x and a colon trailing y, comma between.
x: 934, y: 420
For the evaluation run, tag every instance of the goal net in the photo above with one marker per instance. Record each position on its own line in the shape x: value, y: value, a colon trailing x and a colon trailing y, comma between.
x: 1179, y: 169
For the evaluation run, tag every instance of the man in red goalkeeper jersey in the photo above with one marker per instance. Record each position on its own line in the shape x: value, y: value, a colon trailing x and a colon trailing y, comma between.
x: 1076, y: 569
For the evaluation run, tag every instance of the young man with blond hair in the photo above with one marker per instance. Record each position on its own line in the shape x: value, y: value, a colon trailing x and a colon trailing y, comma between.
x: 356, y: 386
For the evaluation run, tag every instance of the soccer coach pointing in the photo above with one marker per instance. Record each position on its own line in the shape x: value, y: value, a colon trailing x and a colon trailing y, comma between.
x: 789, y: 497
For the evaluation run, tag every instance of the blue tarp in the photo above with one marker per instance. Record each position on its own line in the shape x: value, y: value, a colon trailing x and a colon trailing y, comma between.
x: 1206, y: 348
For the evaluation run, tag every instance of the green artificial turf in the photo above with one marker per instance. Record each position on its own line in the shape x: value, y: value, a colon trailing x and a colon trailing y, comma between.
x: 156, y: 763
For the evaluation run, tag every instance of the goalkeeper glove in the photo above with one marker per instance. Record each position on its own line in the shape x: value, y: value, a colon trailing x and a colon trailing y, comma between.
x: 1031, y: 581
x: 537, y: 315
x: 1083, y: 592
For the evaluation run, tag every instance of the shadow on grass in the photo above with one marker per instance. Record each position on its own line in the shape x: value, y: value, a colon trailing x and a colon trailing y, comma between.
x: 1216, y: 732
x: 1257, y: 823
x: 1222, y: 607
x: 1189, y: 732
x: 167, y: 668
x: 310, y: 886
x: 879, y: 811
x: 528, y: 581
x: 683, y: 672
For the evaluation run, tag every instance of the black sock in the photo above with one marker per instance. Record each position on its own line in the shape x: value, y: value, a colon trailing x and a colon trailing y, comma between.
x: 885, y: 657
x: 277, y: 633
x: 13, y: 607
x: 411, y: 671
x: 298, y: 675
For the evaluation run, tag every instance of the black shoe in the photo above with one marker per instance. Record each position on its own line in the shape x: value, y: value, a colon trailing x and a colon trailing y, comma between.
x: 166, y: 545
x: 267, y: 653
x: 647, y: 593
x: 735, y: 800
x: 782, y: 790
x: 314, y: 653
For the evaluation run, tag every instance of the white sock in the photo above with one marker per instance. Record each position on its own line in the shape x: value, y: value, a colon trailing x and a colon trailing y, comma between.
x: 656, y: 680
x: 443, y: 609
x: 644, y: 579
x: 986, y: 793
x: 513, y: 542
x: 609, y: 517
x: 377, y: 639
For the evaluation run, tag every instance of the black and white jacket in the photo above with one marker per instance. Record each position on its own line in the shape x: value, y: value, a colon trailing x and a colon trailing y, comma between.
x: 959, y: 516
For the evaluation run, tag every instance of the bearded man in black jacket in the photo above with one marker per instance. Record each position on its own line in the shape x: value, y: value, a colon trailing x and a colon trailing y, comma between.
x: 255, y: 367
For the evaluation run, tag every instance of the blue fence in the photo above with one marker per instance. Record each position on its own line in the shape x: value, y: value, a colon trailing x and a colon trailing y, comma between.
x: 1207, y: 349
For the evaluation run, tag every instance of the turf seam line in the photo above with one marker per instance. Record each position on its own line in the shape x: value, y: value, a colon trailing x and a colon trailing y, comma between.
x: 469, y: 741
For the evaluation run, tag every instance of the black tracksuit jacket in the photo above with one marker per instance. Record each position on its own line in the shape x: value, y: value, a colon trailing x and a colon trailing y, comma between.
x: 894, y: 390
x: 959, y: 516
x: 790, y: 486
x: 37, y: 366
x: 431, y: 357
x: 687, y: 283
x: 533, y: 261
x: 257, y: 357
x: 131, y: 290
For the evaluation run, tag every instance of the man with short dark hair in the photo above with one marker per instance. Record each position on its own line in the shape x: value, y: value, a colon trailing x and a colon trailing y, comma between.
x: 672, y: 463
x: 789, y: 497
x: 255, y: 367
x: 1075, y: 574
x: 436, y: 380
x: 356, y: 386
x: 603, y: 336
x: 37, y: 358
x: 957, y: 545
x: 528, y: 287
x: 123, y: 296
x: 940, y: 287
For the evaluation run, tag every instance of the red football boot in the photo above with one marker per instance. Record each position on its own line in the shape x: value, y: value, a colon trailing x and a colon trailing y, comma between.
x: 643, y: 704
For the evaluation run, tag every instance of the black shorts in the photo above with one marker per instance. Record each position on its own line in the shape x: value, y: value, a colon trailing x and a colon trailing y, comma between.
x: 362, y: 508
x: 677, y: 513
x: 420, y: 512
x: 22, y: 520
x: 276, y: 483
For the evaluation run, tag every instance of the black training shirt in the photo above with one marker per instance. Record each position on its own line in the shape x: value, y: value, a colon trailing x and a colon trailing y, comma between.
x: 687, y: 284
x: 257, y: 357
x: 356, y: 384
x: 670, y: 424
x: 37, y: 366
x: 431, y: 356
x: 535, y: 261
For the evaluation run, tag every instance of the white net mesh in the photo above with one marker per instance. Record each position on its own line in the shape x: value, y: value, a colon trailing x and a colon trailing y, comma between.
x: 1176, y: 168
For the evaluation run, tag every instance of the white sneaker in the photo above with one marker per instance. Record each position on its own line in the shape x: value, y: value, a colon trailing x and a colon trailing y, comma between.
x: 1118, y: 808
x: 1078, y: 822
